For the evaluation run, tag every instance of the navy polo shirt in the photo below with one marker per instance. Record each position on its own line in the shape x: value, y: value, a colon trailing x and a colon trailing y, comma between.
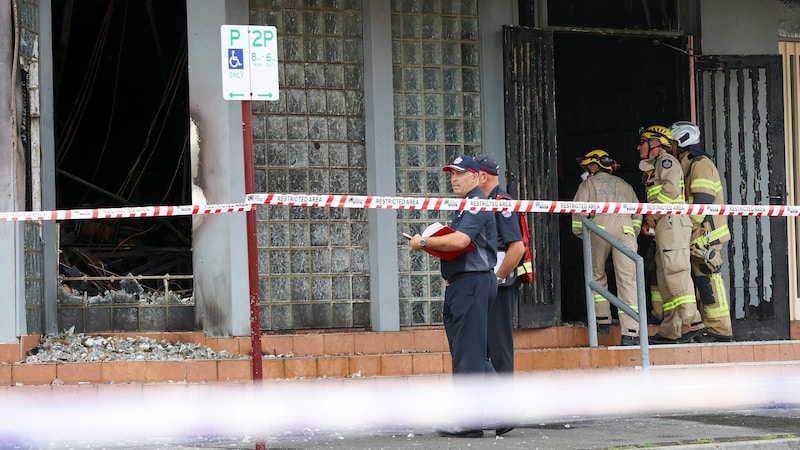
x: 481, y: 227
x: 508, y: 228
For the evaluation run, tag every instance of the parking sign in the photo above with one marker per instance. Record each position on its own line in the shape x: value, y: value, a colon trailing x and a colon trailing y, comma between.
x: 249, y: 62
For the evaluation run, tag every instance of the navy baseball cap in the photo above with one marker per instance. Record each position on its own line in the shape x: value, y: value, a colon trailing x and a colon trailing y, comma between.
x: 462, y: 163
x: 488, y: 164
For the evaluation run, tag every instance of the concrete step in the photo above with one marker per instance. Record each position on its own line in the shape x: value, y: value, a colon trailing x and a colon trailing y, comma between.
x: 338, y: 354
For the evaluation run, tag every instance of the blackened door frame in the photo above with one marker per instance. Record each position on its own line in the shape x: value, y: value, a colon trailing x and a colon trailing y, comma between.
x: 529, y: 84
x: 740, y: 111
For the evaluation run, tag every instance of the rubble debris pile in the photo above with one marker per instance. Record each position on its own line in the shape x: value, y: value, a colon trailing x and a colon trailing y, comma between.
x: 68, y: 296
x: 72, y: 347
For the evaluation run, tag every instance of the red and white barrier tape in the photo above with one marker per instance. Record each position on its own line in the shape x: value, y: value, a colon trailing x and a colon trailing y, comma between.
x: 544, y: 206
x: 125, y: 212
x: 384, y: 202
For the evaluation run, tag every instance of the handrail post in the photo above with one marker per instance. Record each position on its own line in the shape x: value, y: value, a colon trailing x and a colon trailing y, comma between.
x: 591, y: 317
x: 591, y: 287
x: 644, y: 338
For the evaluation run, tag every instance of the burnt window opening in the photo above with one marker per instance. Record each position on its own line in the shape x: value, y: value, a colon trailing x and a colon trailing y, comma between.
x: 121, y: 131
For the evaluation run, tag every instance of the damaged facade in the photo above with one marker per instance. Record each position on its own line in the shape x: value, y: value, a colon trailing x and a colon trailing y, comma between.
x: 119, y: 103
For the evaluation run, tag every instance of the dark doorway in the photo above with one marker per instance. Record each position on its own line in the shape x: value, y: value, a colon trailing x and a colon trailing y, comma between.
x: 121, y: 131
x: 607, y: 86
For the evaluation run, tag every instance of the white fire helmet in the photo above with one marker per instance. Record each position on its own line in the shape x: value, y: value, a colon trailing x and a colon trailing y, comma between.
x: 685, y: 133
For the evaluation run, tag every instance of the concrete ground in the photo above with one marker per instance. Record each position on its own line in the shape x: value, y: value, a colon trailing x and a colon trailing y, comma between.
x: 775, y: 427
x: 741, y: 406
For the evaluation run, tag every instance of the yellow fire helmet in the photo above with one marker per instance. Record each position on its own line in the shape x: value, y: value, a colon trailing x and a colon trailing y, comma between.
x: 659, y: 132
x: 601, y: 157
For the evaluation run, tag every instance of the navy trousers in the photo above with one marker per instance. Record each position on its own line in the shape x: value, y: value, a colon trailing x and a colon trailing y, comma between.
x: 500, y: 349
x: 465, y: 316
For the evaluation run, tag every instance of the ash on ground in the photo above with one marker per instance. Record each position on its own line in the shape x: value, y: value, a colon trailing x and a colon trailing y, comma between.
x: 72, y: 347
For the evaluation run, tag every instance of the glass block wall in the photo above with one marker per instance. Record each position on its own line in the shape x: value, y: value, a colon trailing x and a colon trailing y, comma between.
x: 313, y: 262
x: 437, y: 110
x: 34, y: 278
x: 33, y: 252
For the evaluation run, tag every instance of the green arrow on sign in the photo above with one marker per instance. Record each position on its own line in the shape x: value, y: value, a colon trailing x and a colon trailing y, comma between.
x: 268, y: 95
x: 235, y: 95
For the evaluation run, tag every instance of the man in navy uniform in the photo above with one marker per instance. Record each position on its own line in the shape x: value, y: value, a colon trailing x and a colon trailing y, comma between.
x: 471, y: 282
x: 510, y: 246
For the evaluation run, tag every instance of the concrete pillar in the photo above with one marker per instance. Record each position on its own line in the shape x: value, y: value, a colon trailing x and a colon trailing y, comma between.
x: 219, y: 254
x: 48, y: 172
x: 384, y: 289
x: 493, y: 16
x: 12, y: 187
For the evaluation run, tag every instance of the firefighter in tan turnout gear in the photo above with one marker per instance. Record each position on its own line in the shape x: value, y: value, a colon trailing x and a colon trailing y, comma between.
x: 709, y: 232
x: 663, y: 180
x: 602, y: 186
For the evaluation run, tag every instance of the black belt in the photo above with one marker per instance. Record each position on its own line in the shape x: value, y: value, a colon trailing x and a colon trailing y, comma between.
x: 452, y: 278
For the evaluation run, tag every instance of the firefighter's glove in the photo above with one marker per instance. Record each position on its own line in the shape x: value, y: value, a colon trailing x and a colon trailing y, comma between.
x: 714, y: 262
x: 702, y: 251
x: 710, y: 257
x: 700, y: 244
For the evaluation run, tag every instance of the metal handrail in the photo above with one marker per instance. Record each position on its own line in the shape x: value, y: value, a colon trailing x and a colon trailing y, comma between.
x: 591, y: 287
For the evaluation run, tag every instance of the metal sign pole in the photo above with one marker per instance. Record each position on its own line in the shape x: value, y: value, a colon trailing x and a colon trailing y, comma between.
x: 252, y: 241
x: 250, y: 71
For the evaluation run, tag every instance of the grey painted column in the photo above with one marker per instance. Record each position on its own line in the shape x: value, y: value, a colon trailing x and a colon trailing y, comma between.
x: 12, y: 178
x: 48, y: 174
x: 219, y: 254
x: 493, y: 15
x: 378, y: 93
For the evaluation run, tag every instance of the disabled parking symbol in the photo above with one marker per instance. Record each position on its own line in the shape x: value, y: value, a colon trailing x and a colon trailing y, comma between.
x: 236, y: 58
